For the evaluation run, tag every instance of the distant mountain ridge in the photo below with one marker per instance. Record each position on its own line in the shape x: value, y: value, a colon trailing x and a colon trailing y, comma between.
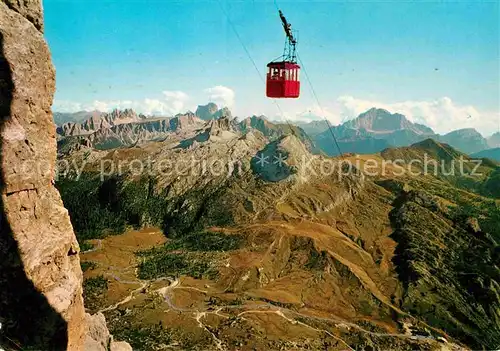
x: 468, y: 140
x: 146, y: 130
x: 382, y: 121
x: 117, y: 128
x: 123, y: 128
x: 126, y: 128
x: 493, y: 154
x: 204, y: 112
x: 273, y: 130
x: 377, y: 129
x: 211, y: 111
x: 99, y: 120
x: 313, y: 128
x: 63, y: 117
x: 371, y: 132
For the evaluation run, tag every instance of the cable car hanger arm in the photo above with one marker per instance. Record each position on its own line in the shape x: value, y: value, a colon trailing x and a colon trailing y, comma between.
x: 288, y: 28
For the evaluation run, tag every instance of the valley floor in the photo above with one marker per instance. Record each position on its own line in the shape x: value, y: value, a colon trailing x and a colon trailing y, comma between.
x: 180, y: 312
x: 286, y: 256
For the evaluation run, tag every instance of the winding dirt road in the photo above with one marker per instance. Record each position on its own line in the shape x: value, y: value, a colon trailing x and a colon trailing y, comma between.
x: 264, y: 307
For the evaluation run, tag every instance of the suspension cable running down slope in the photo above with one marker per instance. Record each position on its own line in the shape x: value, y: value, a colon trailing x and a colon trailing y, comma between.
x: 319, y: 106
x: 316, y: 97
x: 292, y: 130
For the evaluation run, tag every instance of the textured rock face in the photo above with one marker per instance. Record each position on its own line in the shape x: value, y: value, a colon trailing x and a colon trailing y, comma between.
x: 121, y: 128
x: 41, y: 301
x: 41, y: 304
x: 29, y: 9
x: 98, y: 121
x: 98, y: 337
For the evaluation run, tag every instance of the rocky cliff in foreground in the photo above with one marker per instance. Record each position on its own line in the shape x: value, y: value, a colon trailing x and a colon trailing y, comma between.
x: 41, y: 305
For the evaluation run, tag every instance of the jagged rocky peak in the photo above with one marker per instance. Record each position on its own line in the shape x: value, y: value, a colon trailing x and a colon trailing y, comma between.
x: 262, y: 124
x: 113, y: 118
x: 253, y: 121
x: 223, y: 123
x: 224, y: 128
x: 381, y: 120
x: 92, y: 122
x: 100, y: 120
x: 186, y: 114
x: 212, y: 111
x: 206, y: 111
x: 184, y: 121
x: 116, y: 116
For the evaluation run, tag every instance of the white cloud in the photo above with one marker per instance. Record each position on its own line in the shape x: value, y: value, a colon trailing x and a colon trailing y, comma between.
x: 156, y: 107
x: 173, y: 102
x: 176, y: 99
x: 221, y: 95
x: 66, y: 106
x: 103, y: 105
x: 313, y: 113
x: 316, y: 113
x: 146, y: 106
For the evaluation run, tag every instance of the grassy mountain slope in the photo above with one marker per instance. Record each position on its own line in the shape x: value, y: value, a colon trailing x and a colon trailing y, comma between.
x: 290, y: 257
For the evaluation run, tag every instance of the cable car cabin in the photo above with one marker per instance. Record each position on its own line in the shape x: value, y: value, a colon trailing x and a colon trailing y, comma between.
x: 283, y: 80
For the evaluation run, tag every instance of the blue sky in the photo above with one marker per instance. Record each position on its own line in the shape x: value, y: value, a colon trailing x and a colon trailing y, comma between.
x: 164, y: 56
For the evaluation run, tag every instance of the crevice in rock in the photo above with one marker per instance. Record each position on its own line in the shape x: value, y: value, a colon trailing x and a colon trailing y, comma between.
x: 20, y: 7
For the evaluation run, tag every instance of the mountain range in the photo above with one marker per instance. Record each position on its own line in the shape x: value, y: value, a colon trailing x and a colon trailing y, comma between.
x: 377, y: 129
x: 125, y: 128
x: 371, y: 132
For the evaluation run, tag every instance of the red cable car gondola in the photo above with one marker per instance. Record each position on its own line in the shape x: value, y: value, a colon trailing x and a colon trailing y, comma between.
x: 283, y: 75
